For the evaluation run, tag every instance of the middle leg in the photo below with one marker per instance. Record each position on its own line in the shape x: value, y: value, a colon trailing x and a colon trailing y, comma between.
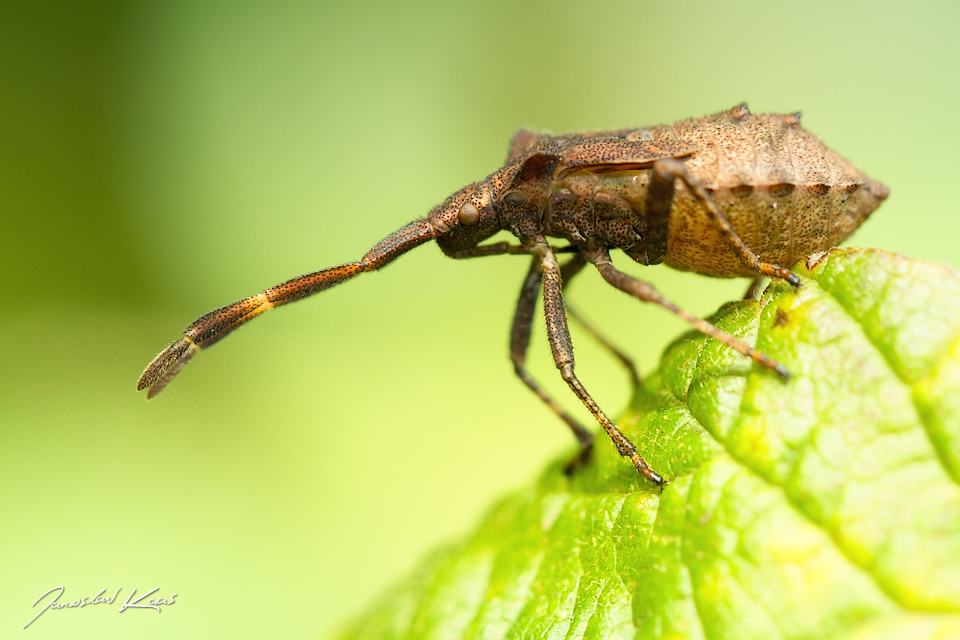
x: 646, y: 292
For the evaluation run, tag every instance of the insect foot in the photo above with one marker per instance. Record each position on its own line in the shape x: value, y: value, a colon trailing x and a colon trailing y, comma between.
x: 733, y: 194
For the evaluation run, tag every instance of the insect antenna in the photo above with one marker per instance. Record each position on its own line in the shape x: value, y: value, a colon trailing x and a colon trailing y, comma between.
x: 214, y: 326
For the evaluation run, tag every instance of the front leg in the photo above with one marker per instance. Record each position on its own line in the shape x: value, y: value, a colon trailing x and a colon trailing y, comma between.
x: 492, y: 249
x: 571, y: 268
x: 502, y: 248
x: 659, y: 200
x: 520, y: 343
x: 562, y: 348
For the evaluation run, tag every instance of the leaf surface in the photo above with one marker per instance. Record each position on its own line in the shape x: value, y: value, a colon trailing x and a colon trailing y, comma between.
x: 824, y: 507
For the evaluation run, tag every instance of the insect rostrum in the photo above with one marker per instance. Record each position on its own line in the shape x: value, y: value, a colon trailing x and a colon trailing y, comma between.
x: 728, y: 195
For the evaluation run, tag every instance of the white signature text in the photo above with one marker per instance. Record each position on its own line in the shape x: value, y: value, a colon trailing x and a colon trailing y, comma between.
x: 86, y: 601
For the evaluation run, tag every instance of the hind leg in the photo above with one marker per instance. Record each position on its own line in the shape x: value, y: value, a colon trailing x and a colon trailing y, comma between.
x: 659, y: 199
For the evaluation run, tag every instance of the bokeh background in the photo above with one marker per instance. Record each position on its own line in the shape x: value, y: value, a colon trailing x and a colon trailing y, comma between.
x: 158, y: 160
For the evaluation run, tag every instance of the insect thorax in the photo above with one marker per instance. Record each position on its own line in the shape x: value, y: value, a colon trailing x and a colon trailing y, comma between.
x: 782, y: 223
x: 608, y: 209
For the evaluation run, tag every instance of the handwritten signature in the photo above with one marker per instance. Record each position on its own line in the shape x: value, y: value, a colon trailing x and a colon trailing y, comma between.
x: 152, y: 603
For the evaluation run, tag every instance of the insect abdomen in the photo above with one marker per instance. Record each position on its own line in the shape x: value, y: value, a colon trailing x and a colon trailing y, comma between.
x: 784, y: 192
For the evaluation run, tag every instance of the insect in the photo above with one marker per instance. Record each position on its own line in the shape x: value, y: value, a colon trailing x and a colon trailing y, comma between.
x: 728, y: 195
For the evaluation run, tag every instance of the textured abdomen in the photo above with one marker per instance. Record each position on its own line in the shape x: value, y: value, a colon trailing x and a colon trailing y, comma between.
x: 784, y: 192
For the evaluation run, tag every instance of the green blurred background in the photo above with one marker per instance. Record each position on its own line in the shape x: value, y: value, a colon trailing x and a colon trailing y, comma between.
x: 158, y: 160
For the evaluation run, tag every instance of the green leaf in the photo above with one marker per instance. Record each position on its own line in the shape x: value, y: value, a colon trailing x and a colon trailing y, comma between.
x: 824, y: 507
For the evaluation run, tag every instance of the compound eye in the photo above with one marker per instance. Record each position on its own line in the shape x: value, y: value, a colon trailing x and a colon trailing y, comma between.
x: 468, y: 214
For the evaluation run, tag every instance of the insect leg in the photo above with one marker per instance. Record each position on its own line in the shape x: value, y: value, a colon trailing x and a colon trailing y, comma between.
x: 755, y: 289
x: 562, y: 348
x: 660, y: 196
x: 493, y: 249
x: 214, y: 326
x: 501, y: 248
x: 645, y: 292
x: 571, y: 268
x: 520, y: 342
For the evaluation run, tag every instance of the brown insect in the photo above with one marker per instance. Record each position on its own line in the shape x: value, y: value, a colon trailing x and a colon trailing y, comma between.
x: 755, y: 192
